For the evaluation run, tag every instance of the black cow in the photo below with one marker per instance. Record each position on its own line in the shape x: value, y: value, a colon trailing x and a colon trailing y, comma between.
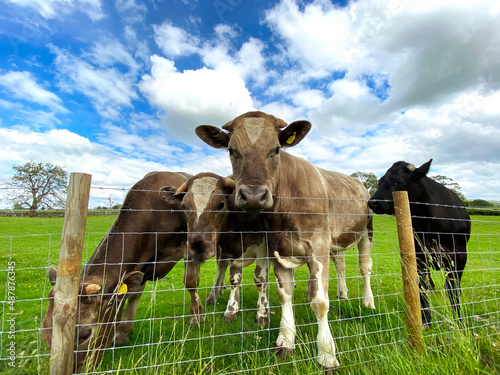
x: 440, y: 223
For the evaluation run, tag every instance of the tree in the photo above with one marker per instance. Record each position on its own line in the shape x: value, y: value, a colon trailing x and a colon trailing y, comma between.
x: 450, y: 184
x: 368, y: 179
x: 480, y: 203
x: 38, y: 185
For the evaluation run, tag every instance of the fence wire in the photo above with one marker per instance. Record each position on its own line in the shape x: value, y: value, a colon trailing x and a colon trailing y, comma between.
x: 163, y: 341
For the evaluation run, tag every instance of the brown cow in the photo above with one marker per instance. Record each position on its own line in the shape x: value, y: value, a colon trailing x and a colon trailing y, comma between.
x: 144, y: 243
x: 309, y: 213
x: 214, y: 221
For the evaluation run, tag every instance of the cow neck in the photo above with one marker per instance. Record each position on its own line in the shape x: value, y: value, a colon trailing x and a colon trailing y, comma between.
x: 117, y: 252
x: 425, y: 190
x: 298, y: 178
x: 239, y: 220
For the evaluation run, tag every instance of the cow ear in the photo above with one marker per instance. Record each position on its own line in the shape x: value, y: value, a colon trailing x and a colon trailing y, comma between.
x: 131, y: 282
x: 228, y: 183
x: 52, y: 275
x: 294, y: 133
x: 170, y: 194
x: 212, y: 136
x: 422, y: 170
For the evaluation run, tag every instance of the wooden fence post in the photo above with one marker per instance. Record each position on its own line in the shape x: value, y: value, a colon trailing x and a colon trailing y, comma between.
x: 68, y: 275
x: 409, y: 269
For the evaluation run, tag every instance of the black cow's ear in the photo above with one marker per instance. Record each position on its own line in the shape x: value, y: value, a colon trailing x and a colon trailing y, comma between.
x: 422, y: 170
x: 212, y: 136
x: 294, y: 133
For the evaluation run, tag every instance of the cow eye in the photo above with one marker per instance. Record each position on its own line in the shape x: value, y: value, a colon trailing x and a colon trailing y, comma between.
x: 275, y: 152
x: 233, y: 153
x: 84, y: 335
x: 221, y: 206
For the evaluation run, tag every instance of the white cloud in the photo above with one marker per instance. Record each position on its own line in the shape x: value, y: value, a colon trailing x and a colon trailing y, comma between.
x: 175, y: 41
x: 141, y: 46
x: 137, y: 145
x: 248, y: 62
x: 23, y: 86
x: 131, y: 11
x: 58, y: 8
x: 186, y: 98
x: 352, y: 106
x: 427, y: 50
x: 110, y: 52
x: 107, y: 88
x: 320, y: 37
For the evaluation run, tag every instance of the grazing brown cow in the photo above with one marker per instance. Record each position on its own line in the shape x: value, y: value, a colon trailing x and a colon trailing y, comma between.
x: 309, y: 213
x: 144, y: 243
x: 213, y: 221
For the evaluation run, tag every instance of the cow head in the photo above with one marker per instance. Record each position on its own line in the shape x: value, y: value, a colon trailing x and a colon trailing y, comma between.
x: 254, y: 141
x: 99, y: 308
x: 401, y: 176
x: 204, y: 199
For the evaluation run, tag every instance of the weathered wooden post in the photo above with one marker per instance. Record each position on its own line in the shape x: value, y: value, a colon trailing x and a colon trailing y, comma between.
x: 408, y: 269
x: 68, y: 275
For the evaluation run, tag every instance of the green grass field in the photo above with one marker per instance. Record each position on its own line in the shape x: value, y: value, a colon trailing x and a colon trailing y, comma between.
x: 368, y: 342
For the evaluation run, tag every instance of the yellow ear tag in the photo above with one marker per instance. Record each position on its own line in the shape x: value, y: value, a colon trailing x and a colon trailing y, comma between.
x: 123, y: 288
x: 291, y: 138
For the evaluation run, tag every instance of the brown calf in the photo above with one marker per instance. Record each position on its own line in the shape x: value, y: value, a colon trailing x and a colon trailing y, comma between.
x: 144, y: 243
x: 213, y: 221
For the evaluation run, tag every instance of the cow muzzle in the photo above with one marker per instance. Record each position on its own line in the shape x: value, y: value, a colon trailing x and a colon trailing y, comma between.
x: 254, y: 198
x: 201, y: 246
x: 381, y: 207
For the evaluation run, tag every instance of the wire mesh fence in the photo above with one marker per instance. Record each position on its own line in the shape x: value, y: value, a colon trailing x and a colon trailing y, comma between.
x: 163, y: 339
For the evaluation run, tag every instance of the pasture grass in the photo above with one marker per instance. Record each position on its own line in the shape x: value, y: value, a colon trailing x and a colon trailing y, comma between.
x: 368, y: 341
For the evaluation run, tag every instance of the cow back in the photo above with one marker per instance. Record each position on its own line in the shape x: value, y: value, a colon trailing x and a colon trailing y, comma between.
x: 314, y: 199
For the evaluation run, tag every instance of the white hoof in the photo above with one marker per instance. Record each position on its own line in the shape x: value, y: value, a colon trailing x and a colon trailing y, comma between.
x: 284, y: 342
x: 328, y: 361
x: 369, y: 302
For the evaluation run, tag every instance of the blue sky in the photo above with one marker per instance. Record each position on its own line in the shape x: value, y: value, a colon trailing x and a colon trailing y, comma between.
x: 116, y: 88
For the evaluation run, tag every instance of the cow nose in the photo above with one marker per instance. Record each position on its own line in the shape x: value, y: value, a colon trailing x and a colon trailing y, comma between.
x: 254, y: 197
x: 201, y: 246
x: 196, y: 241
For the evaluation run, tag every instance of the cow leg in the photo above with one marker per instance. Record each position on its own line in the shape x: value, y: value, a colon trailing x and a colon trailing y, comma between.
x: 423, y: 285
x: 365, y: 261
x: 219, y: 286
x: 285, y: 342
x: 317, y: 294
x: 233, y: 304
x: 339, y: 262
x: 454, y: 266
x: 261, y: 279
x: 126, y: 325
x: 192, y: 281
